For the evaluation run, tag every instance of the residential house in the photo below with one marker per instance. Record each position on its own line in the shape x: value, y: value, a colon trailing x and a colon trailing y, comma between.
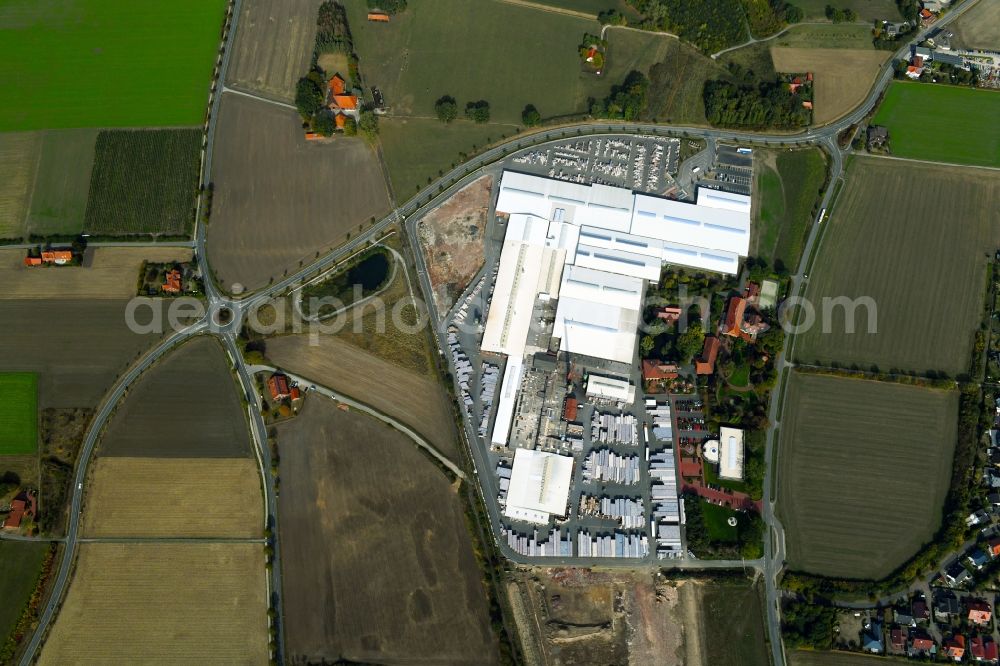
x: 980, y: 612
x: 279, y: 387
x: 743, y: 322
x: 378, y: 17
x: 172, y: 284
x: 993, y: 547
x: 570, y: 409
x: 956, y: 574
x: 946, y: 606
x: 897, y: 639
x: 22, y: 507
x: 994, y: 500
x: 991, y: 477
x: 983, y: 649
x: 926, y: 17
x: 954, y: 647
x: 916, y: 68
x: 877, y: 136
x: 669, y: 314
x: 919, y: 610
x: 921, y: 644
x: 655, y: 371
x: 905, y: 619
x: 706, y: 364
x: 871, y: 639
x: 57, y: 257
x: 978, y: 559
x: 341, y: 101
x: 995, y: 456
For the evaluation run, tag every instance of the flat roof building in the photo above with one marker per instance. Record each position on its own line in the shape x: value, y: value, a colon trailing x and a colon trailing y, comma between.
x: 610, y: 388
x: 730, y: 453
x: 539, y: 486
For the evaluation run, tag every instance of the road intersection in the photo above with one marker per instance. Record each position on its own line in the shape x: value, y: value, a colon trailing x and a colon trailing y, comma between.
x: 225, y: 316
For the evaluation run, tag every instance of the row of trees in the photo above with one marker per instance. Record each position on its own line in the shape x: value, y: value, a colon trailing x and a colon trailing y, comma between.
x: 846, y: 15
x: 762, y: 106
x: 446, y: 109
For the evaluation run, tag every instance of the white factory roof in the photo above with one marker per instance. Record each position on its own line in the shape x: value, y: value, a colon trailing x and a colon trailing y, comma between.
x: 539, y: 486
x: 602, y: 287
x: 699, y: 257
x: 610, y: 388
x: 700, y: 226
x: 600, y: 205
x: 525, y: 271
x: 507, y: 400
x: 721, y: 199
x: 598, y: 313
x: 730, y: 453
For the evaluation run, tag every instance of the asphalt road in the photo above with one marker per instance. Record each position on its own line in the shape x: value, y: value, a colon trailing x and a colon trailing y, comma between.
x: 426, y: 199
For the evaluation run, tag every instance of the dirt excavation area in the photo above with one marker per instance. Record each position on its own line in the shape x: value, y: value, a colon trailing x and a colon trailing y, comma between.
x: 451, y: 238
x: 575, y: 616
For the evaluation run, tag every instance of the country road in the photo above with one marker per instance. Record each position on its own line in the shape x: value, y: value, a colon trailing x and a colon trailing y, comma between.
x: 425, y: 200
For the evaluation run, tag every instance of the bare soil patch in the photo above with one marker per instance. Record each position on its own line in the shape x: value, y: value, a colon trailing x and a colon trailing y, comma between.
x: 979, y: 28
x: 279, y: 200
x: 163, y: 603
x: 274, y: 42
x: 189, y: 497
x: 78, y: 347
x: 842, y: 80
x: 187, y: 406
x: 378, y: 562
x: 451, y: 237
x: 111, y: 274
x: 419, y: 402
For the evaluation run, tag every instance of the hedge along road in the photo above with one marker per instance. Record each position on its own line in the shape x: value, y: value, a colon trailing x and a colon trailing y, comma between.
x: 426, y: 199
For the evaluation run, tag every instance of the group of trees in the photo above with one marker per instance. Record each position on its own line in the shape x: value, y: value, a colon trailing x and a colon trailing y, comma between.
x: 753, y: 105
x: 446, y: 110
x: 909, y: 9
x: 836, y: 15
x: 387, y: 6
x: 766, y: 17
x: 595, y: 42
x: 711, y: 25
x: 626, y: 101
x: 333, y: 35
x: 749, y: 532
x: 808, y: 625
x: 530, y: 116
x: 612, y: 17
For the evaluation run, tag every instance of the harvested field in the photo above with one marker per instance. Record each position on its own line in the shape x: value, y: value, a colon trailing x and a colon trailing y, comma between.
x: 24, y: 467
x: 452, y: 240
x: 19, y: 418
x: 132, y: 65
x: 972, y: 137
x: 161, y: 603
x: 279, y: 200
x: 111, y: 274
x: 842, y: 77
x: 732, y: 623
x: 274, y: 42
x: 76, y: 364
x: 144, y: 182
x: 893, y: 237
x: 175, y: 497
x: 979, y: 28
x: 21, y: 564
x: 814, y: 658
x: 19, y: 153
x: 419, y: 402
x: 852, y: 452
x: 195, y: 381
x: 422, y: 601
x: 62, y: 183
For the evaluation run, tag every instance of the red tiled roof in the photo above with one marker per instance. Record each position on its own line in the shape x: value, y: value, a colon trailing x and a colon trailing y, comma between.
x: 173, y: 282
x: 734, y: 316
x: 706, y: 364
x: 654, y: 370
x: 922, y: 643
x: 337, y: 85
x: 570, y: 409
x: 340, y: 120
x: 32, y: 261
x: 56, y: 256
x: 278, y: 385
x: 347, y: 102
x: 376, y: 16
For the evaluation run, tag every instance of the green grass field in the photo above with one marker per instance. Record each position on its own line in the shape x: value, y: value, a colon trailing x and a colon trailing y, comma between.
x: 863, y: 470
x: 967, y: 132
x: 59, y: 197
x: 20, y: 565
x: 867, y: 10
x: 834, y: 658
x: 19, y: 416
x: 733, y: 623
x: 106, y: 63
x: 787, y: 194
x: 830, y: 36
x: 588, y: 6
x: 715, y: 523
x: 912, y: 238
x: 143, y: 181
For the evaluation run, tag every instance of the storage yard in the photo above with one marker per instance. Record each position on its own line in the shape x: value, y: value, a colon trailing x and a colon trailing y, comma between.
x: 852, y: 452
x: 360, y: 502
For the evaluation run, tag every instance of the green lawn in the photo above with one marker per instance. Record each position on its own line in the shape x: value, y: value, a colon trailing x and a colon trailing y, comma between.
x: 787, y: 196
x: 715, y: 523
x: 19, y: 416
x: 942, y: 123
x: 867, y: 10
x: 59, y: 197
x: 20, y: 565
x: 100, y: 63
x: 712, y: 479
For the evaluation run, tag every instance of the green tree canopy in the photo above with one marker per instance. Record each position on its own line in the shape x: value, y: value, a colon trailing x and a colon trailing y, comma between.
x: 690, y: 342
x: 368, y: 125
x: 308, y: 97
x: 478, y: 111
x: 446, y: 108
x: 387, y: 6
x: 530, y: 116
x: 324, y: 123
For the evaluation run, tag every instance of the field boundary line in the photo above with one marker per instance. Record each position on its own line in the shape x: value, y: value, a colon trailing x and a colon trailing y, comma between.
x: 243, y: 93
x: 548, y: 8
x: 932, y: 162
x: 172, y: 539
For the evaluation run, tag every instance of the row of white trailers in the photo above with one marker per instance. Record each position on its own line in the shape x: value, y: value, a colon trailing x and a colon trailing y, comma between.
x: 614, y: 429
x: 616, y: 545
x: 666, y: 513
x: 606, y: 466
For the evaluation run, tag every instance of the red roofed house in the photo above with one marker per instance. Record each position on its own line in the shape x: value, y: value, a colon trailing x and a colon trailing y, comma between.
x: 340, y: 101
x: 22, y: 506
x: 668, y: 314
x: 654, y: 371
x: 706, y: 364
x: 994, y: 549
x: 954, y: 647
x: 295, y: 393
x: 751, y: 292
x: 734, y: 317
x: 919, y: 610
x: 378, y: 17
x: 980, y: 612
x: 591, y: 52
x: 921, y: 643
x: 897, y: 639
x: 57, y: 257
x: 341, y: 121
x: 278, y: 385
x: 570, y: 408
x: 338, y: 86
x: 32, y: 261
x: 173, y: 282
x: 313, y: 136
